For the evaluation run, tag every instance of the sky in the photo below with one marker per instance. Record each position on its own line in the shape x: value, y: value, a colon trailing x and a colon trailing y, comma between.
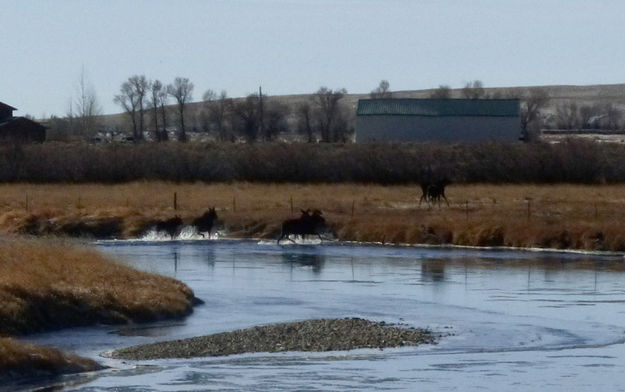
x: 297, y: 46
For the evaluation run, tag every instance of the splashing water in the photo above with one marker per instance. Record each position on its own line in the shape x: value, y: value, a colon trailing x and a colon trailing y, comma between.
x: 187, y: 233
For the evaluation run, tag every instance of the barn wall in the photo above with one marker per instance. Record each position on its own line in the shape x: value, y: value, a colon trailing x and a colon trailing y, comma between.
x: 446, y: 129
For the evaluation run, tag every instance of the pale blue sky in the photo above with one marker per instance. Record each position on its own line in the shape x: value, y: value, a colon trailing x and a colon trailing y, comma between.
x: 296, y: 46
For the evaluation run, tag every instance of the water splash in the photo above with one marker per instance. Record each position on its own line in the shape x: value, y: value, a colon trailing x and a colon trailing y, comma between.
x: 187, y: 233
x: 295, y: 240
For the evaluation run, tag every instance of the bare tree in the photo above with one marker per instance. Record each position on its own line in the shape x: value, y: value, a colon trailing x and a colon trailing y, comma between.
x: 208, y: 99
x: 587, y: 113
x: 182, y: 91
x: 442, y: 92
x: 567, y: 115
x: 327, y: 105
x: 474, y: 90
x: 535, y: 101
x: 612, y: 117
x: 128, y: 100
x: 164, y: 98
x: 305, y: 117
x: 275, y: 119
x: 131, y: 98
x: 87, y: 107
x: 382, y: 91
x: 215, y: 114
x: 219, y: 114
x: 155, y: 102
x: 247, y: 117
x: 140, y: 85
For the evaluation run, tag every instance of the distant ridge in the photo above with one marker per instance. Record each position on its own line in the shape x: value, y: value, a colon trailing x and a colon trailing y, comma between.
x: 582, y: 95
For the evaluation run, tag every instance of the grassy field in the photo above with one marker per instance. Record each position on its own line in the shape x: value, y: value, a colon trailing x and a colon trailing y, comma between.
x: 47, y: 284
x: 555, y: 216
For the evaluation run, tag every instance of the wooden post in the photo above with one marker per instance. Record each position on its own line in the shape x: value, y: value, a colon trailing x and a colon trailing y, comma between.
x: 291, y: 205
x: 353, y: 207
x: 596, y: 211
x: 234, y: 204
x: 175, y: 200
x: 529, y: 208
x: 466, y: 209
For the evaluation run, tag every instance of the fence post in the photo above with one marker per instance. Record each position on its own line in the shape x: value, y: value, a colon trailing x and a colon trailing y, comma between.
x: 175, y: 200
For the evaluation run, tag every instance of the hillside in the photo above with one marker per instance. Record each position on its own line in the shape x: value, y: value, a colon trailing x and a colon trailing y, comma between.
x: 581, y: 95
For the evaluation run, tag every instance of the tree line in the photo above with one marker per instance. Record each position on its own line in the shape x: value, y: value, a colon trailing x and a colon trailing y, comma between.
x: 573, y: 161
x: 255, y: 117
x: 157, y: 111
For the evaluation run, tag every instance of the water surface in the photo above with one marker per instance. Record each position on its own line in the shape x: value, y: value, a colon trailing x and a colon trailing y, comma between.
x: 510, y: 320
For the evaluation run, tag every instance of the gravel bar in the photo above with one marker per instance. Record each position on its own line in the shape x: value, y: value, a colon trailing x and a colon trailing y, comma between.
x: 309, y: 335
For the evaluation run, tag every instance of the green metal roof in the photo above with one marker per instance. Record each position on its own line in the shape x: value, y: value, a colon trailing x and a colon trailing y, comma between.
x: 439, y: 107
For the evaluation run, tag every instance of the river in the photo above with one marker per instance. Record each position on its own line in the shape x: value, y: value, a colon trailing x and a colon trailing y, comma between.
x: 508, y: 320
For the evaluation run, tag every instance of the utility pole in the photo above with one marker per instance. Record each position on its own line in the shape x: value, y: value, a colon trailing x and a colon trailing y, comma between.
x: 260, y: 111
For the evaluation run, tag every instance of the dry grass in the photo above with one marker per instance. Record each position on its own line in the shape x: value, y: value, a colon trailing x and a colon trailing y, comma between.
x: 45, y: 284
x: 27, y: 360
x: 560, y: 216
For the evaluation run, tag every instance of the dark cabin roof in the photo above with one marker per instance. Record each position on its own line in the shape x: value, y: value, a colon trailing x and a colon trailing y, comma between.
x: 5, y: 106
x: 439, y: 107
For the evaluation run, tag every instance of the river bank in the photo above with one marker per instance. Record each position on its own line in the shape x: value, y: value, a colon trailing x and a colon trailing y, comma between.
x: 584, y: 217
x: 47, y: 285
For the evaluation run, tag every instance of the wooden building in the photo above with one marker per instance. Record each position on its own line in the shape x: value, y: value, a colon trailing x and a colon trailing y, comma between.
x: 446, y: 120
x: 19, y: 129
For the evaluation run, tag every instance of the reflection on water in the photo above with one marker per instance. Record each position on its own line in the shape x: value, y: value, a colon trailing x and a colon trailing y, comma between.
x: 433, y: 270
x: 313, y: 260
x: 508, y: 313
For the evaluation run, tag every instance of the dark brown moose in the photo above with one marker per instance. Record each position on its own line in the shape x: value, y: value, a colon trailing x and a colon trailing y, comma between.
x: 433, y: 192
x: 309, y: 223
x: 204, y: 224
x: 171, y: 226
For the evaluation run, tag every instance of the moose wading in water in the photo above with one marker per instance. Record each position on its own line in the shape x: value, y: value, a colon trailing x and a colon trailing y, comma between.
x: 309, y: 223
x: 171, y: 226
x: 204, y: 224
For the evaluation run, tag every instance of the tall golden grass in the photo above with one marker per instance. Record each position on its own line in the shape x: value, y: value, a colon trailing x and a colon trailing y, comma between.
x: 556, y: 216
x: 18, y: 359
x: 48, y: 284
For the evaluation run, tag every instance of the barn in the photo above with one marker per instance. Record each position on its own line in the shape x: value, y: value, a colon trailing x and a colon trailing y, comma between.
x: 445, y: 120
x: 19, y: 129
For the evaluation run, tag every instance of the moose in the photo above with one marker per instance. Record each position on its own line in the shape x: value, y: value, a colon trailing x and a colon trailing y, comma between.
x: 434, y: 191
x: 309, y: 223
x: 171, y: 226
x: 204, y: 223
